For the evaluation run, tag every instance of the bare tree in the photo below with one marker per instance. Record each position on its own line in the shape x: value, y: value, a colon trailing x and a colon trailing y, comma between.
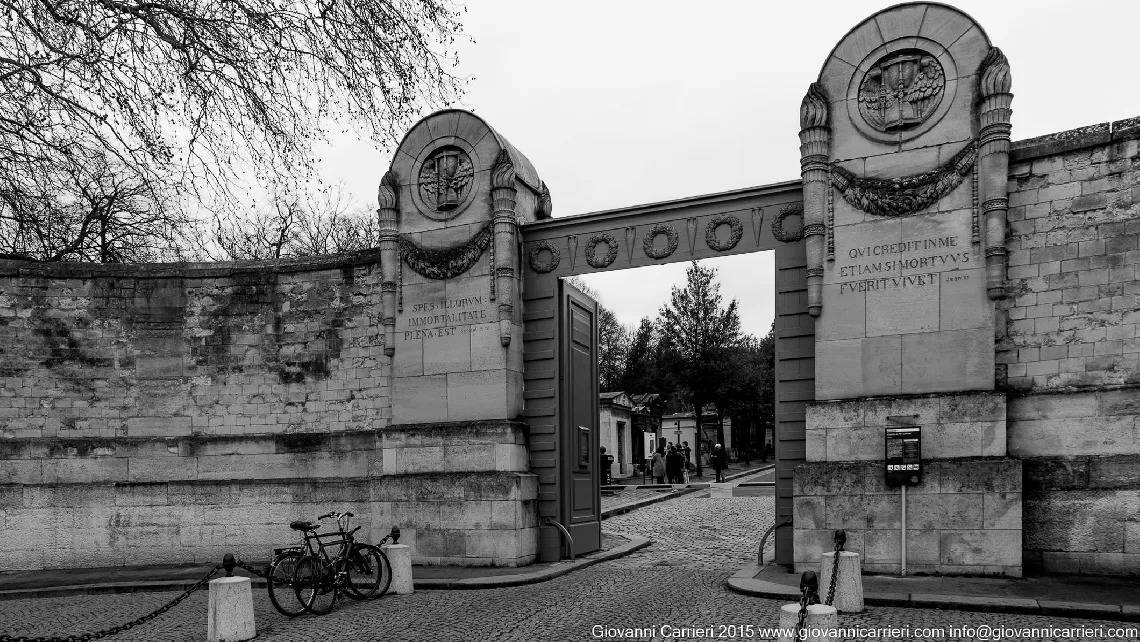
x: 613, y: 341
x: 91, y: 213
x: 205, y: 97
x: 293, y: 225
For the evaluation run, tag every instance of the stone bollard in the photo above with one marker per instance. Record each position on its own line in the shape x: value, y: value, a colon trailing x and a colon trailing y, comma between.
x: 400, y: 557
x: 849, y: 585
x: 231, y: 610
x: 821, y: 621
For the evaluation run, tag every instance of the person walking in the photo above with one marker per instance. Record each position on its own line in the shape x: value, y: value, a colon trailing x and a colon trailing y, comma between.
x: 658, y: 463
x: 688, y: 455
x: 719, y: 462
x: 674, y: 464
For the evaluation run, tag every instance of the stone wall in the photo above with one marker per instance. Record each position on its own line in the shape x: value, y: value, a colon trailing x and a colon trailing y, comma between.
x: 157, y: 351
x: 1068, y: 350
x: 173, y: 413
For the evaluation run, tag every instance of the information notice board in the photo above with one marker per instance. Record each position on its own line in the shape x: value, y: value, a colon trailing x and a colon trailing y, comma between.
x: 904, y: 456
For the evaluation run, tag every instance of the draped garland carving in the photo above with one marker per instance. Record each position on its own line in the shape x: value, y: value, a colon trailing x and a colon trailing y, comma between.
x: 903, y: 196
x: 448, y: 262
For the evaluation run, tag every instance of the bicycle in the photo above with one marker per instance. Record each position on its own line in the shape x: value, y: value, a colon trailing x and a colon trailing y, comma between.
x: 360, y: 571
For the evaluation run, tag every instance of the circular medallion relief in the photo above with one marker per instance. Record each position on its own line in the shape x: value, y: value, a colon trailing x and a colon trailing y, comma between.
x: 445, y: 182
x: 901, y: 91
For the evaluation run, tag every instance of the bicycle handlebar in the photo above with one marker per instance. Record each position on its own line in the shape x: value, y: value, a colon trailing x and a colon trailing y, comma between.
x: 336, y: 515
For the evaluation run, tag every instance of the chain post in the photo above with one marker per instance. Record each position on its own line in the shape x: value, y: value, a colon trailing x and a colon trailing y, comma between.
x: 840, y: 540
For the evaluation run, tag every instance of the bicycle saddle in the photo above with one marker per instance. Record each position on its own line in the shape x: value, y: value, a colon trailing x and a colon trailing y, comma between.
x: 303, y: 526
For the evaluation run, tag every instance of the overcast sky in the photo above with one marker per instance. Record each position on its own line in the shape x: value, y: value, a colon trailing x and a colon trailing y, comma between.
x: 620, y: 103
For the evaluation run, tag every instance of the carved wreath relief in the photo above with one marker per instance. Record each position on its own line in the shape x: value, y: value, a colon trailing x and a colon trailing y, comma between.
x: 671, y: 240
x: 592, y: 258
x: 536, y: 262
x: 736, y: 231
x: 445, y: 179
x: 901, y: 91
x: 778, y: 231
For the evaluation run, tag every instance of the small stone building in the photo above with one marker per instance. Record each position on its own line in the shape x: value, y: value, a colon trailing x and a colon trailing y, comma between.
x: 615, y: 427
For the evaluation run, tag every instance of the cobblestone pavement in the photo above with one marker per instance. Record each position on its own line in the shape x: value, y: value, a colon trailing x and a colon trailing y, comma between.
x: 679, y: 581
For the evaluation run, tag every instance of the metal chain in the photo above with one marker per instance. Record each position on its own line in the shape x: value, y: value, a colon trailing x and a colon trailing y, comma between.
x: 251, y: 569
x: 834, y: 572
x: 119, y: 629
x: 803, y: 616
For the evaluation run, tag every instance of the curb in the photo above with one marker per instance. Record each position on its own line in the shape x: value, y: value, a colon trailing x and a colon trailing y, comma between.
x: 680, y: 490
x: 635, y: 543
x: 745, y: 473
x: 743, y: 582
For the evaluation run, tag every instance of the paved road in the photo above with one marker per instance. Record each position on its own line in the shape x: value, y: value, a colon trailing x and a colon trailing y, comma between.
x: 679, y: 581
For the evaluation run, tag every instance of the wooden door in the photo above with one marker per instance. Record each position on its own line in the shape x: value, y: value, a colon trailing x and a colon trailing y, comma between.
x: 581, y: 510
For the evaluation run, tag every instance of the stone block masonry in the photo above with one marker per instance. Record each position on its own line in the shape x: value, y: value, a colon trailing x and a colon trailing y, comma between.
x: 167, y: 414
x: 460, y: 494
x: 964, y: 518
x: 1070, y: 321
x: 229, y: 349
x: 1068, y: 346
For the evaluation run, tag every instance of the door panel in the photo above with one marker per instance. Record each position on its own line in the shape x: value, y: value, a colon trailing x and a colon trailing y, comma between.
x: 581, y: 506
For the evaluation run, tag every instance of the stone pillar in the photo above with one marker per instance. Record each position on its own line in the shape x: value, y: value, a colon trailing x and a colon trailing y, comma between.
x: 848, y: 596
x: 820, y: 620
x: 506, y: 226
x: 400, y: 557
x: 230, y: 616
x: 993, y: 151
x: 905, y: 316
x: 389, y: 257
x: 815, y: 138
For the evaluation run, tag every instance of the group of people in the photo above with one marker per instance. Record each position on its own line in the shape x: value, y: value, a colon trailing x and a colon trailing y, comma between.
x: 669, y: 463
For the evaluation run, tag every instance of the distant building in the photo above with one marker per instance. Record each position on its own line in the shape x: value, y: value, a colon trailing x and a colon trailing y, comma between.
x: 614, y: 426
x: 680, y: 427
x: 628, y: 426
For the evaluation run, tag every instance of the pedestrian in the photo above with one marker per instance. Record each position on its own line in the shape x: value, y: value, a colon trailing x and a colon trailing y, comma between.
x: 688, y: 455
x: 658, y: 463
x: 719, y: 462
x: 674, y: 464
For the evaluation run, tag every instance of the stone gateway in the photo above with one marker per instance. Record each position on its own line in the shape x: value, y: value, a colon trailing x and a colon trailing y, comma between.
x: 930, y: 273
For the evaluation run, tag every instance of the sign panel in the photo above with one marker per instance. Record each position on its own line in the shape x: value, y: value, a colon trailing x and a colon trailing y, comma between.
x: 904, y: 456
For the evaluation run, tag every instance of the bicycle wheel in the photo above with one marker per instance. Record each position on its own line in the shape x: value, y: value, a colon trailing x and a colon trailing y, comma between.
x: 369, y: 572
x: 313, y: 580
x: 279, y: 581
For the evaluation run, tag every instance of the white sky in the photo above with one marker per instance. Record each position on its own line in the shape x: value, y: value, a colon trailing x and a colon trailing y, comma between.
x: 620, y: 103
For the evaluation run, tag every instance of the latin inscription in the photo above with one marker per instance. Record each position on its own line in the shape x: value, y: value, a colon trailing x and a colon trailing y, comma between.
x: 448, y: 317
x: 436, y: 333
x: 449, y: 312
x: 882, y: 267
